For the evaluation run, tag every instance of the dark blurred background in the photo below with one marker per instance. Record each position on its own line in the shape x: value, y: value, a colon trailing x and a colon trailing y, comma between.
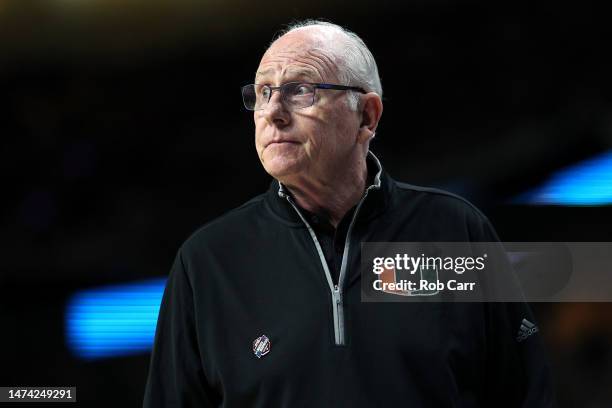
x: 123, y: 131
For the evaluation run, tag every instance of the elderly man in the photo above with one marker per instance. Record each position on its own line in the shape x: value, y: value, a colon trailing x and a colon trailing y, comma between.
x: 262, y: 307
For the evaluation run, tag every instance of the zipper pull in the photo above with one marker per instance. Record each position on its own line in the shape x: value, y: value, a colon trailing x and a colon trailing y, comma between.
x: 337, y: 294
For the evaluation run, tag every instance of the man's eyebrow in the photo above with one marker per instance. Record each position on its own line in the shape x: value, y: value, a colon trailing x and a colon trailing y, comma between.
x: 264, y: 72
x: 293, y: 72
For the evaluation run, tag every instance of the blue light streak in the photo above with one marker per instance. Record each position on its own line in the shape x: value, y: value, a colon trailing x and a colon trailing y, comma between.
x: 114, y: 320
x: 588, y: 183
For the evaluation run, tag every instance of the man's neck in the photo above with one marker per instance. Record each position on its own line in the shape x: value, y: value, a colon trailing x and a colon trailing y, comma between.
x: 332, y: 196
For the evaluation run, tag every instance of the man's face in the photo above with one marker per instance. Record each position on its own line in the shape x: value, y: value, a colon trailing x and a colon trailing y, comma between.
x: 311, y: 141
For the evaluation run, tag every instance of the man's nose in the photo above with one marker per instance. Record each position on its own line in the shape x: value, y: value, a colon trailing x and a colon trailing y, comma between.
x: 276, y: 112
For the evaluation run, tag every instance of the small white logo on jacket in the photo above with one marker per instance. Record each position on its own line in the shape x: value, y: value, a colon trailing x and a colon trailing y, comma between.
x: 261, y: 346
x: 527, y: 329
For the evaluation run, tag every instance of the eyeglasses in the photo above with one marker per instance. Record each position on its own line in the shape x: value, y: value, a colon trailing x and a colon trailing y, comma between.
x: 295, y: 95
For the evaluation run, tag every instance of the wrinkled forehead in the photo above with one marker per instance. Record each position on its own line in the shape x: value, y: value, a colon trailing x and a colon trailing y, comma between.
x: 298, y: 56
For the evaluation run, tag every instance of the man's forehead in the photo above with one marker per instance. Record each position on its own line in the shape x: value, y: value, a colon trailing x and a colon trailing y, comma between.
x: 298, y: 54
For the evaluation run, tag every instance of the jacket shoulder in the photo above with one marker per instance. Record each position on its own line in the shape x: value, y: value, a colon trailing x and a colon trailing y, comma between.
x: 225, y: 227
x: 442, y: 215
x: 439, y: 197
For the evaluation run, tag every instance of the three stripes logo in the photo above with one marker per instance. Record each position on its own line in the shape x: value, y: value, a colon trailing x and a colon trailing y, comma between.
x: 527, y: 329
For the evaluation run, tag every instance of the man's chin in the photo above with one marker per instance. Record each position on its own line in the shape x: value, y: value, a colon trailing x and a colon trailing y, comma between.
x: 281, y: 168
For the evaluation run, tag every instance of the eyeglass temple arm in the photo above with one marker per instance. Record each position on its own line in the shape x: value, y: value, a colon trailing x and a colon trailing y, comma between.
x: 340, y: 87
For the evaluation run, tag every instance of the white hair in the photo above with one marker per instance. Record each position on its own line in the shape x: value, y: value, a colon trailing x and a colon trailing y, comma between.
x: 355, y: 63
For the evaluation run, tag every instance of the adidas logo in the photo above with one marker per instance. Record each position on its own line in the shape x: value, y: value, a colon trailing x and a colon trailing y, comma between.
x: 526, y: 330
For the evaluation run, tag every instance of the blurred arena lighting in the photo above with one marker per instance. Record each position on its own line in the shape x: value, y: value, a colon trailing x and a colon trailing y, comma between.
x: 113, y: 320
x: 587, y: 183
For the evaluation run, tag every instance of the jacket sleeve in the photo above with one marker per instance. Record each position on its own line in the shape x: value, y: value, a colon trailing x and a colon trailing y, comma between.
x: 176, y: 377
x: 517, y: 370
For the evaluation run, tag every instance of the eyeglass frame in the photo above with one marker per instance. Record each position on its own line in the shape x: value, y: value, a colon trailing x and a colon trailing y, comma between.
x: 316, y: 85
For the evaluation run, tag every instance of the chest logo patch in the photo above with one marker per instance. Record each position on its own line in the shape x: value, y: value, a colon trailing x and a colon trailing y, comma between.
x: 261, y: 346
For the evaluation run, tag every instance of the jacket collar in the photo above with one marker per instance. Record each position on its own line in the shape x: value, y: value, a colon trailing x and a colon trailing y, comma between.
x: 377, y: 200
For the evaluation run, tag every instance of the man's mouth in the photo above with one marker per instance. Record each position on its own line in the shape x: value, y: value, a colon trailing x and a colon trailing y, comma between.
x: 279, y: 142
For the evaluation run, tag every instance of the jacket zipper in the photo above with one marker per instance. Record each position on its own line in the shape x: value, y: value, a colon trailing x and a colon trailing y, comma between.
x: 336, y: 290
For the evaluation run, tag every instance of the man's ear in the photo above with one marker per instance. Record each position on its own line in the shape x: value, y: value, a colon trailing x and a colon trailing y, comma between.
x: 371, y: 109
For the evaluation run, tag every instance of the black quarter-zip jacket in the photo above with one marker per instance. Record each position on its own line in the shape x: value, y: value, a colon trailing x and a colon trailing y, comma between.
x: 259, y: 271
